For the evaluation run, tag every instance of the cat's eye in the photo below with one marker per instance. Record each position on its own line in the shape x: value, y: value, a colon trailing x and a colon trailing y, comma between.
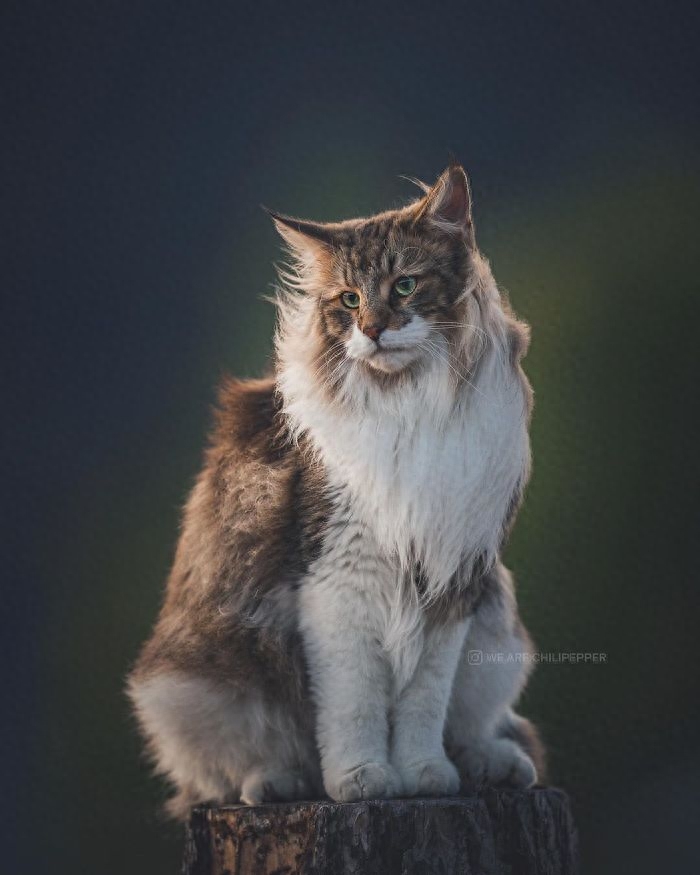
x: 350, y: 300
x: 405, y: 286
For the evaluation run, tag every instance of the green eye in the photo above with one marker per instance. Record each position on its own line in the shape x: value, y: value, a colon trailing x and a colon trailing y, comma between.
x: 405, y: 286
x: 350, y: 300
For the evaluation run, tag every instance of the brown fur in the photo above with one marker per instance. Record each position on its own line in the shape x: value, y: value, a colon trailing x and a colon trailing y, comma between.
x: 253, y: 521
x: 368, y: 252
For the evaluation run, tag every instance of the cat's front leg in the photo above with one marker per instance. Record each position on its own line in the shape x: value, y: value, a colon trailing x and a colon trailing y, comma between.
x: 420, y: 711
x: 349, y: 674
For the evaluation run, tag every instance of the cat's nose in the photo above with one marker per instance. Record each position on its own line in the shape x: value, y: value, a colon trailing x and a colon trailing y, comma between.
x: 373, y: 331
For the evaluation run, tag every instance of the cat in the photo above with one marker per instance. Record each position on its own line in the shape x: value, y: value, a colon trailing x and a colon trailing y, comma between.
x: 337, y: 620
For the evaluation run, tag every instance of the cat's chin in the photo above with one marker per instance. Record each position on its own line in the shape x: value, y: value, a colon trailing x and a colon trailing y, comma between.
x: 391, y: 361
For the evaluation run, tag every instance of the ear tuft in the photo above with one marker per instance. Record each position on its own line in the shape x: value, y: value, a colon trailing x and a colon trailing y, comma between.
x: 423, y: 186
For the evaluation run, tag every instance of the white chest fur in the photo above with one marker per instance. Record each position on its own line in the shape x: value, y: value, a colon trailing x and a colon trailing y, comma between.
x: 430, y: 469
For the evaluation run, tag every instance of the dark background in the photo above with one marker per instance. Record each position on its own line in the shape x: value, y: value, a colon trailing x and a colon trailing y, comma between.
x: 138, y: 142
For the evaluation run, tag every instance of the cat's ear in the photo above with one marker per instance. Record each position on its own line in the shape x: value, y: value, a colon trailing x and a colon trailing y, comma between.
x: 303, y: 238
x: 448, y: 204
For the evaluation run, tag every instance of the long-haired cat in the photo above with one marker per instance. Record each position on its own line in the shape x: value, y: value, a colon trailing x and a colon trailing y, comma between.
x: 337, y: 606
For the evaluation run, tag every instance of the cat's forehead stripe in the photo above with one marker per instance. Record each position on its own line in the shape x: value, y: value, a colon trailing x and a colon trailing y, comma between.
x: 381, y: 247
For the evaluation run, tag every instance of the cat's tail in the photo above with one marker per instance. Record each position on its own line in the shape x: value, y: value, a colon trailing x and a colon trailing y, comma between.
x: 525, y: 734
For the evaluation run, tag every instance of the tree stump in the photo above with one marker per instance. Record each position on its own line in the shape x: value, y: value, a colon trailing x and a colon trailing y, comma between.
x: 499, y: 832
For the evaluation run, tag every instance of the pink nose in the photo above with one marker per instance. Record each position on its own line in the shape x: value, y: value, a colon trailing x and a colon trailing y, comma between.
x: 373, y: 332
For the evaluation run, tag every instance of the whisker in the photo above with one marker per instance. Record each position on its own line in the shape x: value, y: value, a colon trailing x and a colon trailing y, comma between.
x: 333, y: 358
x: 483, y: 335
x: 438, y: 354
x: 477, y: 328
x: 328, y: 358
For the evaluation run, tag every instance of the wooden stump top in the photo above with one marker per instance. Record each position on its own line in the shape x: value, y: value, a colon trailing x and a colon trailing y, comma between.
x: 499, y: 832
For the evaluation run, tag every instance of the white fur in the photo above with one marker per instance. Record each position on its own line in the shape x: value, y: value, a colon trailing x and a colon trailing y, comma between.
x: 359, y: 346
x: 429, y: 466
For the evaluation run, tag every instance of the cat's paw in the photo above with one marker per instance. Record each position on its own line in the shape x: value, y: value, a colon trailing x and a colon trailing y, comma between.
x: 270, y: 785
x: 368, y: 781
x: 436, y: 776
x: 498, y: 761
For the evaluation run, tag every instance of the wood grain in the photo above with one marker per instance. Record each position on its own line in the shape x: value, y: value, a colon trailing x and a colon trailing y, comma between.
x: 499, y: 832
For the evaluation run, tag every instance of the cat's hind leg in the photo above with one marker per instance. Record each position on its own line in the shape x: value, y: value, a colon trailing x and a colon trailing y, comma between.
x: 216, y: 744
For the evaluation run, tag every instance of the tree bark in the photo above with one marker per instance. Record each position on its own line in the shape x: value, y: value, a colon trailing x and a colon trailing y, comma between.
x: 499, y: 832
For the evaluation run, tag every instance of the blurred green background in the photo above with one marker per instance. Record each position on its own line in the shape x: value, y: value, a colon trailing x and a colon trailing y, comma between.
x: 140, y: 146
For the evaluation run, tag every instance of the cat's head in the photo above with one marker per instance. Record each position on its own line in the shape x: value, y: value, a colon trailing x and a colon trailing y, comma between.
x: 389, y: 290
